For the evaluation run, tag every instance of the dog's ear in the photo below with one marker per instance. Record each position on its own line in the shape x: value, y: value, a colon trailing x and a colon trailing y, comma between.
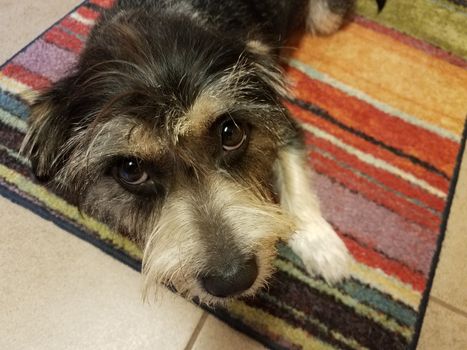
x: 49, y: 129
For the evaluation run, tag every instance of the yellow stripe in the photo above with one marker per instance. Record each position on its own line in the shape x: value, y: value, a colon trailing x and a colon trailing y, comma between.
x: 374, y: 277
x: 69, y: 211
x: 15, y: 87
x: 273, y: 325
x: 373, y: 161
x: 13, y: 121
x: 352, y: 343
x: 391, y: 72
x: 386, y: 284
x: 361, y: 309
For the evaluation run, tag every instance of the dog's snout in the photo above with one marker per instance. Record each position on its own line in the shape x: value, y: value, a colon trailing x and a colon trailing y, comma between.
x: 231, y: 280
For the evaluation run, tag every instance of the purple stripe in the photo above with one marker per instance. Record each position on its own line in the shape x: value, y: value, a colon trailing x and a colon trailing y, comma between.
x: 376, y: 226
x: 47, y: 60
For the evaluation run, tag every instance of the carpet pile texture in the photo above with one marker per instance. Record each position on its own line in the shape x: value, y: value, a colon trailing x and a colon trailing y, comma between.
x: 383, y: 103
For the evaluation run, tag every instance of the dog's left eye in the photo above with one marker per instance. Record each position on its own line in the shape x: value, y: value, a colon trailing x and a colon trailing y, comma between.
x: 233, y: 135
x: 130, y: 172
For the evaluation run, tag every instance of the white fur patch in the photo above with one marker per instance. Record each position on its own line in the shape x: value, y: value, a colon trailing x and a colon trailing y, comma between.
x: 258, y: 47
x: 315, y: 242
x: 321, y: 20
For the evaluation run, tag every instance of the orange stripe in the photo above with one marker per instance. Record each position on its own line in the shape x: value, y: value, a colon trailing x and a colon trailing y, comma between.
x: 391, y: 72
x: 87, y: 13
x: 357, y: 142
x: 413, y: 140
x: 18, y: 73
x: 391, y: 267
x: 75, y: 26
x: 103, y: 3
x: 374, y: 193
x: 64, y: 40
x: 385, y: 178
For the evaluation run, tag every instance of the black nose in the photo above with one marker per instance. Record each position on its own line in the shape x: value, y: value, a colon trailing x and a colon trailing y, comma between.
x: 233, y: 279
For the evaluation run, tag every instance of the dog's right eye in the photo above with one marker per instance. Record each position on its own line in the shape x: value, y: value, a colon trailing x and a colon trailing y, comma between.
x: 234, y: 135
x: 130, y: 172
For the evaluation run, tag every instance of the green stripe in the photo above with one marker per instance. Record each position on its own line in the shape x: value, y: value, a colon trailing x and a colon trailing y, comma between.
x: 443, y: 25
x: 275, y: 328
x: 378, y: 301
x: 15, y: 155
x: 300, y: 315
x: 363, y: 310
x: 363, y: 293
x: 12, y: 121
x: 358, y: 291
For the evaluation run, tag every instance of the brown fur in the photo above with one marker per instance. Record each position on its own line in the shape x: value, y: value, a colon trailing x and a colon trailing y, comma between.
x: 155, y: 85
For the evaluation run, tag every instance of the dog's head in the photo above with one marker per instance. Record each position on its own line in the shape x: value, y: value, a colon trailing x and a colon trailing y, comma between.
x: 169, y: 134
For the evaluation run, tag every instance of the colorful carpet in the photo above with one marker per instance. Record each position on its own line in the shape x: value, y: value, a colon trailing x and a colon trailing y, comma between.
x: 383, y: 103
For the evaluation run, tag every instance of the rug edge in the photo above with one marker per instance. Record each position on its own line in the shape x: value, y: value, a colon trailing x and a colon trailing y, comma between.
x: 442, y: 234
x: 223, y: 316
x: 37, y: 37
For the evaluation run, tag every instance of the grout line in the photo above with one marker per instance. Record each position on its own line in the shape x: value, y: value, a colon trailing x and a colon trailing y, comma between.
x: 448, y: 306
x: 197, y: 331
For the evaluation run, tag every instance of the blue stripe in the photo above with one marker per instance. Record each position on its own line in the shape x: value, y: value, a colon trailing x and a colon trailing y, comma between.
x: 11, y: 104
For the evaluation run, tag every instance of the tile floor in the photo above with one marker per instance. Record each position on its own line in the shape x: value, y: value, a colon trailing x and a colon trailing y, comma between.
x: 93, y: 302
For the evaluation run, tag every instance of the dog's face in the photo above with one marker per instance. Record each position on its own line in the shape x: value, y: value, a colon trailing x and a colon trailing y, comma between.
x: 169, y: 134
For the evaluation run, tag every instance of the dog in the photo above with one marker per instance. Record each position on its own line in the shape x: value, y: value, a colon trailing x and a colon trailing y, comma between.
x: 171, y: 130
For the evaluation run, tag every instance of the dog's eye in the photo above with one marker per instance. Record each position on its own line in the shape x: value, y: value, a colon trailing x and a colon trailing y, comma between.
x: 130, y: 172
x: 233, y: 135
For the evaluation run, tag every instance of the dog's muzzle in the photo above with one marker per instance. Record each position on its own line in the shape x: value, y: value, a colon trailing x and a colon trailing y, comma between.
x: 232, y: 279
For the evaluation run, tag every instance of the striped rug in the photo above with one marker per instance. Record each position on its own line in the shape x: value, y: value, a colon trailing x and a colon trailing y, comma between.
x: 383, y: 103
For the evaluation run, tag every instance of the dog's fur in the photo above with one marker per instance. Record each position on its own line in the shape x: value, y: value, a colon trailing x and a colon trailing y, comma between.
x: 155, y: 82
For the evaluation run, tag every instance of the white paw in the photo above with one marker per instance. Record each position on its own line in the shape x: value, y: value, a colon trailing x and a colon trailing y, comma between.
x: 321, y: 250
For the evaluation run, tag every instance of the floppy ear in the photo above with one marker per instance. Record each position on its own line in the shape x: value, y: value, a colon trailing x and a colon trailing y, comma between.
x: 49, y: 129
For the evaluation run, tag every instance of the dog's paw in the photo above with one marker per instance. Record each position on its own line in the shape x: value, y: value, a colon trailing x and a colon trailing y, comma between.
x: 322, y: 251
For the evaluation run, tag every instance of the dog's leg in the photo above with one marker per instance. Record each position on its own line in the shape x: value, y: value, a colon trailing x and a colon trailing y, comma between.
x: 315, y: 241
x: 326, y: 16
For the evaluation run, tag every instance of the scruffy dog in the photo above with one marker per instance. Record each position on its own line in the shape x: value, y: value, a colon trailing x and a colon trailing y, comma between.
x: 171, y: 130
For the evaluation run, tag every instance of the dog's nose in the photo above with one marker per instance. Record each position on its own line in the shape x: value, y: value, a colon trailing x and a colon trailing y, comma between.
x: 234, y: 279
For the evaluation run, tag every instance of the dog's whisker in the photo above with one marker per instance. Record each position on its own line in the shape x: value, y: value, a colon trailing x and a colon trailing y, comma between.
x: 171, y: 130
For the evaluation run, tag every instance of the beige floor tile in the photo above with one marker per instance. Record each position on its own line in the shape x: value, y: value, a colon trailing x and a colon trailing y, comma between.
x: 443, y: 330
x: 450, y: 282
x: 217, y: 335
x: 59, y: 292
x: 22, y: 20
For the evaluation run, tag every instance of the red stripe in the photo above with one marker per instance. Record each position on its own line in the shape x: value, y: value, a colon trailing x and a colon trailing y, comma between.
x: 413, y: 42
x: 64, y: 40
x: 16, y: 72
x: 390, y: 267
x: 88, y: 13
x: 376, y: 194
x: 75, y: 26
x: 357, y: 114
x: 369, y: 148
x: 103, y: 3
x: 381, y: 176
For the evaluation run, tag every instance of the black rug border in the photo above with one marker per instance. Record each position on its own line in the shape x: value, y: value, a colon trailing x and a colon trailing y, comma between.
x: 222, y: 314
x: 439, y: 243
